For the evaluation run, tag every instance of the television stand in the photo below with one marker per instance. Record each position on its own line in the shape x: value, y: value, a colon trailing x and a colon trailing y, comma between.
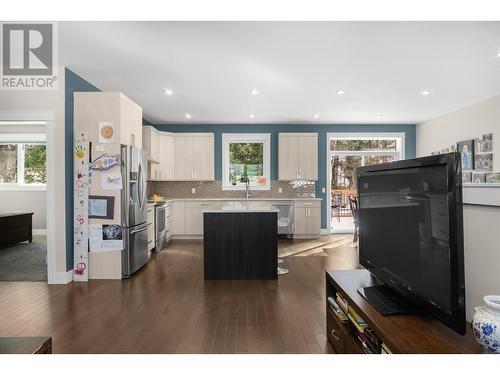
x: 406, y: 334
x: 386, y: 301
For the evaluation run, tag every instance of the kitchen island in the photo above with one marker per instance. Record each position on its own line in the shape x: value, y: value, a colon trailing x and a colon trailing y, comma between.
x: 240, y: 241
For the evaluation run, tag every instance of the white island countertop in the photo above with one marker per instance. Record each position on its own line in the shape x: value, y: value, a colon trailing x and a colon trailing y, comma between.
x: 238, y: 207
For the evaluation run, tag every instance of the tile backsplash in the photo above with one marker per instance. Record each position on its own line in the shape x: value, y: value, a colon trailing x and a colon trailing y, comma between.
x: 213, y: 189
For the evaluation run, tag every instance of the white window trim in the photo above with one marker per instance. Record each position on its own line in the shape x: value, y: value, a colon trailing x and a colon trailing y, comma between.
x: 228, y: 138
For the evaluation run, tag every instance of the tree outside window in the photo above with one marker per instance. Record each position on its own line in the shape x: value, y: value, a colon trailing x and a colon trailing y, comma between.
x: 8, y: 164
x: 23, y: 163
x: 35, y: 164
x: 246, y: 162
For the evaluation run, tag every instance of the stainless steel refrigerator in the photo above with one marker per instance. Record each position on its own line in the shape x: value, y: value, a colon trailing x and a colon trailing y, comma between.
x: 134, y: 209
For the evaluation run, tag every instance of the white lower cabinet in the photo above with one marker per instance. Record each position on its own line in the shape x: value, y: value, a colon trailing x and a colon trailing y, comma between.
x: 187, y: 217
x: 178, y: 216
x: 194, y: 217
x: 307, y: 218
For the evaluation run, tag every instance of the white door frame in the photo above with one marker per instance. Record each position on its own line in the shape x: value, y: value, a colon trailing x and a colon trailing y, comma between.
x: 48, y: 118
x: 400, y: 141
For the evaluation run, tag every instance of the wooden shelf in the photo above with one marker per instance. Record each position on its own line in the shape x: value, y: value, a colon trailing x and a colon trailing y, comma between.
x: 406, y: 334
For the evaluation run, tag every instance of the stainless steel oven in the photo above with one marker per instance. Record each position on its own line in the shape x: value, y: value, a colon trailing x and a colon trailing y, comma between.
x: 161, y: 212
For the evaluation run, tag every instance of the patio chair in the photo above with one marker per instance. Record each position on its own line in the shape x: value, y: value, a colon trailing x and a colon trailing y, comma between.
x: 354, y: 205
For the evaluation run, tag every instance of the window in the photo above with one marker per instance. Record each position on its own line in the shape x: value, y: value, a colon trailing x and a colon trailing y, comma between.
x: 246, y: 158
x: 23, y: 164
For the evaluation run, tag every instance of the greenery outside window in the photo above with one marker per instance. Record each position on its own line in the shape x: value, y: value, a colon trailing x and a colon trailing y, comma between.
x: 246, y: 158
x: 23, y: 165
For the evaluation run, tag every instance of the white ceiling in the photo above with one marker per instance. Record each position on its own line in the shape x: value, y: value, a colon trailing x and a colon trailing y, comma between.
x: 211, y: 67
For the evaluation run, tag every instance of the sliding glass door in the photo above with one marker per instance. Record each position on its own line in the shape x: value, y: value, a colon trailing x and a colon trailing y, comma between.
x: 346, y: 154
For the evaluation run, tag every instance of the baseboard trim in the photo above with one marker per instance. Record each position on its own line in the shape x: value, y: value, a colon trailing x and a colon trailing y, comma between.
x: 325, y: 232
x: 39, y: 232
x: 62, y: 277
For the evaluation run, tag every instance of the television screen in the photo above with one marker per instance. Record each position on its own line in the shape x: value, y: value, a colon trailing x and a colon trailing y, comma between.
x: 410, y: 231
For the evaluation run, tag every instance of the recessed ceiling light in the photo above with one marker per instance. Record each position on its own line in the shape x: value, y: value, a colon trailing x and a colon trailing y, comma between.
x: 498, y: 54
x: 315, y: 115
x: 255, y: 92
x: 168, y: 92
x: 187, y: 115
x: 340, y: 92
x: 252, y: 116
x: 380, y: 116
x: 425, y: 92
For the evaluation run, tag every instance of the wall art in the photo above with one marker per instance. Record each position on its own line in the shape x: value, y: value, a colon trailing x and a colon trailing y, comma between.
x: 101, y: 207
x: 80, y: 214
x: 466, y: 177
x: 466, y: 149
x: 484, y: 162
x: 106, y: 132
x: 492, y: 178
x: 484, y: 144
x: 478, y: 178
x: 111, y: 181
x: 105, y: 162
x: 105, y: 237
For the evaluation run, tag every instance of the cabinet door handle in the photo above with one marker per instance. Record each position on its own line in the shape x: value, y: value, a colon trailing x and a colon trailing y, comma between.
x: 194, y: 174
x: 333, y: 334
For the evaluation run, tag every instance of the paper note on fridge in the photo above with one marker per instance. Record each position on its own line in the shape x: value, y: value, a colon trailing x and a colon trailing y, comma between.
x: 111, y: 181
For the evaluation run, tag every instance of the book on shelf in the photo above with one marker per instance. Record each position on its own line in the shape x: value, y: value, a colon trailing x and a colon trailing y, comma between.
x: 367, y: 343
x: 358, y: 326
x: 384, y: 349
x: 337, y: 310
x: 343, y: 303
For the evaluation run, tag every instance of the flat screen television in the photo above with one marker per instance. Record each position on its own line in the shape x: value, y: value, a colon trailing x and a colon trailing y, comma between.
x: 411, y: 236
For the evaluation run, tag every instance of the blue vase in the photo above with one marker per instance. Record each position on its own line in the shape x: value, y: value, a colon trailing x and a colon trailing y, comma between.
x: 486, y: 324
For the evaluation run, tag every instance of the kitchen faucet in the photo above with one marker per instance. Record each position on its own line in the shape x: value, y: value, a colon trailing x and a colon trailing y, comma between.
x: 247, y: 187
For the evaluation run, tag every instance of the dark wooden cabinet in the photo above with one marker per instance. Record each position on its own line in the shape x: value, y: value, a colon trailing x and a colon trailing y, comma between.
x: 407, y: 334
x: 15, y: 227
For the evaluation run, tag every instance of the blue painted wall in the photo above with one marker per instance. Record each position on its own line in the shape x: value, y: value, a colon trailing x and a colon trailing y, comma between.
x: 274, y: 129
x: 73, y: 82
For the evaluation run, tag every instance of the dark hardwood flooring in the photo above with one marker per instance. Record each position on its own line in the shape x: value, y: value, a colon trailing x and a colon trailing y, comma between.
x: 167, y: 307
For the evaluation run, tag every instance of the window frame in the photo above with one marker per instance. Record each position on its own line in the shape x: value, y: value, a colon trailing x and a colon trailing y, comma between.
x: 20, y: 140
x: 265, y: 139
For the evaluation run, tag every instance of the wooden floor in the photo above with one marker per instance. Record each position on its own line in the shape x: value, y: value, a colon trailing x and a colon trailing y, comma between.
x: 167, y: 307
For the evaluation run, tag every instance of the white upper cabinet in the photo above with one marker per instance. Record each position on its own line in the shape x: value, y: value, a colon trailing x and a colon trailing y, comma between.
x: 298, y: 156
x: 183, y: 157
x: 150, y: 140
x: 203, y: 157
x: 180, y: 156
x: 166, y: 156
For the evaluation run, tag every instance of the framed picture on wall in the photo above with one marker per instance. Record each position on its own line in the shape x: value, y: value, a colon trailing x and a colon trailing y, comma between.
x: 466, y: 149
x: 101, y: 207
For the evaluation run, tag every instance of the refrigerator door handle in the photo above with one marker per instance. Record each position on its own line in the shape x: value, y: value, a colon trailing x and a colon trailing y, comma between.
x: 140, y: 187
x: 139, y: 230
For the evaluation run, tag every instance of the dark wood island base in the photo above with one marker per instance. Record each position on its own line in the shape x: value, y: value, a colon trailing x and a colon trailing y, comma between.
x: 240, y: 245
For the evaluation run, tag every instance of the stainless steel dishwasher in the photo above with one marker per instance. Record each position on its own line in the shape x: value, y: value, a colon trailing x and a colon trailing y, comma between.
x: 285, y: 218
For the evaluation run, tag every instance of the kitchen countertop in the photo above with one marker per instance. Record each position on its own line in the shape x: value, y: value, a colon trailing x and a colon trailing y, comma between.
x: 237, y: 199
x: 239, y: 208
